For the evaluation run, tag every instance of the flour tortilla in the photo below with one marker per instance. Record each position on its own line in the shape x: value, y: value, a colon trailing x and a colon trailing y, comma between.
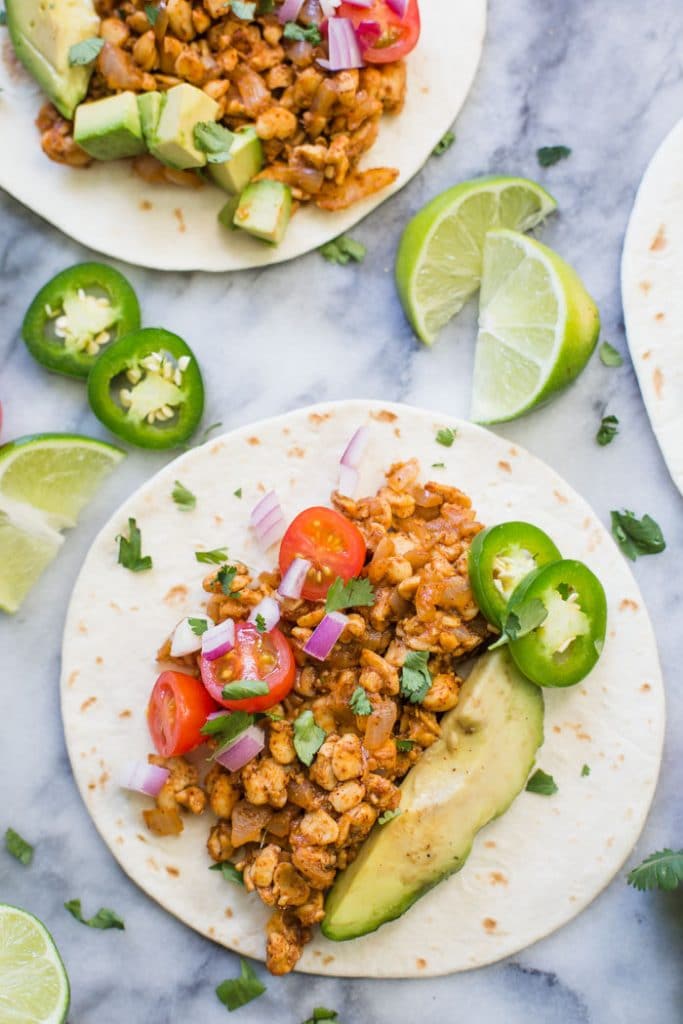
x: 652, y: 290
x: 105, y: 207
x: 532, y: 870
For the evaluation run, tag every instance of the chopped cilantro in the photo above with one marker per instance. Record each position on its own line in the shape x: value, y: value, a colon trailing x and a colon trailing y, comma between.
x: 541, y: 783
x: 130, y: 550
x: 527, y: 617
x: 152, y: 13
x: 354, y: 594
x: 308, y: 737
x: 444, y: 144
x: 103, y: 919
x: 438, y: 465
x: 416, y: 680
x: 310, y: 34
x: 225, y: 576
x: 214, y: 557
x: 260, y: 623
x: 85, y: 52
x: 238, y: 492
x: 388, y: 816
x: 637, y: 536
x: 322, y: 1013
x: 236, y: 992
x: 198, y: 626
x: 609, y: 355
x: 229, y: 872
x: 243, y: 689
x: 404, y: 746
x: 585, y: 771
x: 18, y: 847
x: 342, y: 250
x: 182, y: 497
x: 608, y: 430
x: 214, y: 140
x: 446, y: 436
x: 360, y: 705
x: 663, y: 870
x: 550, y: 155
x: 228, y: 725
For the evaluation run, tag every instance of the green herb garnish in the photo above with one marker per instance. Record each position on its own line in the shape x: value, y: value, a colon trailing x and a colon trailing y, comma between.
x: 130, y: 550
x: 225, y: 576
x: 354, y: 594
x: 541, y: 783
x: 388, y: 816
x: 214, y: 557
x: 359, y: 703
x: 609, y: 355
x: 214, y: 140
x: 438, y: 465
x: 236, y: 992
x: 663, y: 870
x: 446, y: 436
x: 243, y: 689
x: 260, y: 623
x: 229, y: 872
x: 608, y: 430
x: 308, y: 737
x: 238, y: 492
x: 321, y: 1013
x: 85, y: 52
x: 416, y: 680
x: 404, y: 746
x: 183, y: 498
x: 585, y: 771
x: 637, y: 536
x: 310, y: 34
x: 226, y: 728
x: 527, y: 617
x: 342, y: 250
x: 444, y: 144
x: 18, y: 847
x: 152, y: 13
x: 243, y: 9
x: 550, y: 155
x: 103, y: 919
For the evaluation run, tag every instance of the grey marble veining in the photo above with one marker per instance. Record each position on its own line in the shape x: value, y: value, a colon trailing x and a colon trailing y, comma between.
x: 604, y: 77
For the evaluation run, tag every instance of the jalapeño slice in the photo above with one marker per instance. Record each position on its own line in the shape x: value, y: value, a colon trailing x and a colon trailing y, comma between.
x: 147, y: 388
x: 76, y: 314
x: 567, y: 644
x: 500, y: 558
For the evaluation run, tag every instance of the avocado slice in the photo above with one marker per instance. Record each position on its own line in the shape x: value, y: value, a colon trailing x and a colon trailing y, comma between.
x: 110, y: 129
x: 264, y: 210
x: 467, y: 778
x: 244, y: 162
x: 173, y: 141
x: 150, y: 105
x: 42, y: 33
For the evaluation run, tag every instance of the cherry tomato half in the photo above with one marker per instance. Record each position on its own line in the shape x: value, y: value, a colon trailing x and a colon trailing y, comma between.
x: 398, y: 35
x: 264, y: 656
x: 177, y: 709
x: 330, y: 542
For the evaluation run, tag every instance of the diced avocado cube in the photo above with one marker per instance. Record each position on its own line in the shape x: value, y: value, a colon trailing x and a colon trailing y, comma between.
x: 110, y: 129
x: 42, y: 33
x: 226, y: 215
x: 264, y: 210
x: 150, y: 105
x: 244, y: 162
x: 173, y: 142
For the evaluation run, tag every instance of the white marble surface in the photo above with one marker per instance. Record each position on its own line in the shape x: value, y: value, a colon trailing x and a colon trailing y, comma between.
x: 605, y: 79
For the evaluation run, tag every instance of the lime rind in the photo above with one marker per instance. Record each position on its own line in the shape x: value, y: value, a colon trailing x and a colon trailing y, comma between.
x: 34, y: 985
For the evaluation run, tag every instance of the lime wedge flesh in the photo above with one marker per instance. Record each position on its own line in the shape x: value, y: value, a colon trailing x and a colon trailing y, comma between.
x: 538, y: 327
x: 440, y: 256
x: 45, y: 481
x: 34, y: 987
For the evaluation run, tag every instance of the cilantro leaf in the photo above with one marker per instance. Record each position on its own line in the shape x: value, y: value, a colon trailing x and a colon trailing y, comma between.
x: 541, y: 783
x: 238, y: 492
x: 404, y: 746
x: 416, y: 680
x: 662, y: 870
x: 389, y: 816
x: 444, y: 144
x: 446, y: 436
x: 227, y: 726
x: 225, y: 576
x: 183, y: 497
x: 260, y: 623
x: 152, y: 13
x: 308, y: 737
x: 438, y: 465
x: 354, y: 594
x: 342, y: 250
x: 236, y: 992
x: 229, y: 872
x: 360, y: 705
x: 550, y: 155
x: 242, y: 689
x: 637, y: 536
x: 527, y: 617
x: 321, y: 1013
x: 103, y: 919
x: 214, y: 140
x: 214, y: 557
x: 585, y: 771
x: 130, y: 550
x: 85, y: 52
x: 311, y: 34
x: 609, y: 355
x: 198, y: 626
x: 18, y: 847
x: 608, y: 430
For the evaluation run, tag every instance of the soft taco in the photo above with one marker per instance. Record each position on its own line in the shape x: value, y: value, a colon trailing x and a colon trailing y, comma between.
x: 164, y: 116
x: 359, y: 741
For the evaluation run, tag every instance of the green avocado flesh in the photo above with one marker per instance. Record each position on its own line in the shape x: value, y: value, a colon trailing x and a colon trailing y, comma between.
x: 244, y: 162
x: 42, y: 33
x: 264, y: 210
x: 467, y: 778
x: 110, y: 129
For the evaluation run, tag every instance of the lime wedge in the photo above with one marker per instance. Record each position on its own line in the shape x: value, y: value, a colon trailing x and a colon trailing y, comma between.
x: 538, y: 327
x: 45, y: 481
x: 34, y: 987
x: 440, y: 256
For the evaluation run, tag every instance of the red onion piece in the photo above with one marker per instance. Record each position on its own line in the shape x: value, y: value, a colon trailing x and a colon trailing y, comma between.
x: 361, y: 3
x: 243, y: 749
x: 348, y: 481
x: 325, y: 635
x: 267, y: 520
x: 293, y: 580
x: 218, y: 640
x: 344, y: 50
x: 184, y: 640
x: 289, y: 11
x: 263, y: 507
x: 368, y: 33
x: 329, y: 7
x: 355, y: 449
x: 269, y: 609
x: 144, y: 778
x: 400, y: 7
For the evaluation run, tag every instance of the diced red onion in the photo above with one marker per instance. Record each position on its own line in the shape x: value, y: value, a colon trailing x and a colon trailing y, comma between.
x: 267, y: 520
x: 348, y: 481
x: 360, y: 3
x: 289, y: 11
x: 351, y: 460
x: 261, y: 509
x: 293, y: 580
x: 329, y: 7
x: 368, y: 33
x: 185, y: 640
x: 325, y: 635
x: 144, y: 778
x: 399, y: 6
x: 344, y: 50
x: 218, y: 640
x: 269, y: 609
x: 243, y: 749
